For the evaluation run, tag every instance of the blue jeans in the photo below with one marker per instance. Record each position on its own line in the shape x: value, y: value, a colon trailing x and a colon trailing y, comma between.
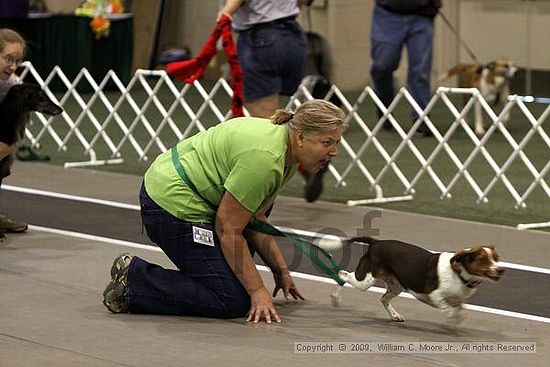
x: 204, y: 285
x: 389, y: 33
x: 273, y: 59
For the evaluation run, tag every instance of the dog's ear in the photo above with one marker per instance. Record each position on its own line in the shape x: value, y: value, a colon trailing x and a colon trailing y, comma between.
x: 494, y: 252
x: 459, y: 257
x: 491, y: 65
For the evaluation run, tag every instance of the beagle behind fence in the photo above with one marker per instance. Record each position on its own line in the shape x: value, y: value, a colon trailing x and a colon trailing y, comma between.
x: 492, y: 80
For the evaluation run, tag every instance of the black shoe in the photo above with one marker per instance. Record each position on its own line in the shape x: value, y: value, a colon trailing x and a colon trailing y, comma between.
x: 314, y: 184
x: 26, y: 153
x: 424, y: 130
x: 387, y: 124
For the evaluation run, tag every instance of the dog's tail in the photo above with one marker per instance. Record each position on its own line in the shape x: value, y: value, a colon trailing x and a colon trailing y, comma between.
x: 365, y: 239
x: 455, y: 70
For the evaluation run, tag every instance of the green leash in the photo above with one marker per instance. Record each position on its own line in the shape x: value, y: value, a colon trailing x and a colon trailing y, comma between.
x: 329, y: 267
x: 307, y: 248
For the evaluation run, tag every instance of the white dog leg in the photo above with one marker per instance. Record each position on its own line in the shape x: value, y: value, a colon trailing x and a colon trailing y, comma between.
x: 362, y: 285
x: 452, y: 314
x: 503, y: 100
x: 336, y: 297
x: 506, y: 116
x: 479, y: 128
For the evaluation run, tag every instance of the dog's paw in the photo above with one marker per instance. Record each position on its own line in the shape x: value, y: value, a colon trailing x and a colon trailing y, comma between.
x: 397, y: 317
x: 480, y: 131
x: 335, y: 299
x: 459, y: 318
x: 346, y: 276
x: 455, y: 319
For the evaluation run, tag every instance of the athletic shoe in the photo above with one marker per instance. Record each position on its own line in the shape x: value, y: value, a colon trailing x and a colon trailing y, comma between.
x: 9, y: 225
x: 114, y: 296
x: 26, y: 153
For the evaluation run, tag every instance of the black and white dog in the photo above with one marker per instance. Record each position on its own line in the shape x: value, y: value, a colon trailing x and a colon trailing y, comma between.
x: 442, y: 280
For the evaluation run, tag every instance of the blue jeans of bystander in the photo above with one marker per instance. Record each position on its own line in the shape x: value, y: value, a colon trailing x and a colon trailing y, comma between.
x: 273, y: 59
x: 389, y: 33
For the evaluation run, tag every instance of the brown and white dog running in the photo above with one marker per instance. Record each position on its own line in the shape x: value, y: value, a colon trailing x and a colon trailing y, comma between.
x: 491, y: 79
x: 442, y: 280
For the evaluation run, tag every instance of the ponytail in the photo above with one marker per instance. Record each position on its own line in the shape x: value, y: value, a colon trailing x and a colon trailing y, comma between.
x: 312, y: 116
x: 281, y: 117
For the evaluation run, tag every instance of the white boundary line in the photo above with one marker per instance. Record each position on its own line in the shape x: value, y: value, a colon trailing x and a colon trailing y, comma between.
x: 58, y: 195
x: 315, y: 278
x: 25, y: 190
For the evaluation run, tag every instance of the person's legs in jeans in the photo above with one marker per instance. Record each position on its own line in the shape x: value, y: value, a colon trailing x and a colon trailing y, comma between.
x: 292, y: 45
x: 273, y: 62
x: 387, y: 36
x: 419, y: 49
x: 261, y: 83
x: 204, y: 285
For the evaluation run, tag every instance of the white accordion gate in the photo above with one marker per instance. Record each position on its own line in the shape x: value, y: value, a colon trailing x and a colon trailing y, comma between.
x: 124, y: 127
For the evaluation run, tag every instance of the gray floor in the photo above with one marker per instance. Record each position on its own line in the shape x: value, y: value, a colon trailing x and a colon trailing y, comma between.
x: 51, y: 286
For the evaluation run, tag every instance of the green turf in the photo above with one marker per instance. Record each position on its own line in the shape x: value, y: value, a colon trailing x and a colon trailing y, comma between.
x: 463, y: 204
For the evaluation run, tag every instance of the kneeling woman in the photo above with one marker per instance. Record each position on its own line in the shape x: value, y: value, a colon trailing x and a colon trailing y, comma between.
x: 196, y: 202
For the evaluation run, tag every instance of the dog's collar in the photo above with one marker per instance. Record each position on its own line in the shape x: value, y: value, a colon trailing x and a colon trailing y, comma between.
x: 469, y: 283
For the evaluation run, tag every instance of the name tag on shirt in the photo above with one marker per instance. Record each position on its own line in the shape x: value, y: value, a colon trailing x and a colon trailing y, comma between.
x: 203, y: 236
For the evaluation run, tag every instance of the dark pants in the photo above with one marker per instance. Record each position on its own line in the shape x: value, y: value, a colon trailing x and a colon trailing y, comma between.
x: 204, y: 285
x: 390, y: 32
x: 273, y: 59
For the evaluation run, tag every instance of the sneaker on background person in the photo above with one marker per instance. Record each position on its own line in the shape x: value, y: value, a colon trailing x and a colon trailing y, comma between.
x: 27, y: 153
x: 424, y: 130
x: 314, y: 184
x: 8, y: 225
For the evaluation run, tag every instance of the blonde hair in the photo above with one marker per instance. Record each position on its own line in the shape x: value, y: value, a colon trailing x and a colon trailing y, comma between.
x: 10, y: 36
x: 316, y: 115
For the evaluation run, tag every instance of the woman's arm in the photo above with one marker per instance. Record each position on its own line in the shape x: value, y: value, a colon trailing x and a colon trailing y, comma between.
x: 267, y: 248
x: 231, y: 219
x: 269, y: 251
x: 230, y: 7
x: 6, y: 149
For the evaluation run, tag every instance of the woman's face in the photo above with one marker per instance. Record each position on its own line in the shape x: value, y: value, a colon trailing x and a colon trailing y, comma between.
x: 10, y: 59
x: 317, y: 149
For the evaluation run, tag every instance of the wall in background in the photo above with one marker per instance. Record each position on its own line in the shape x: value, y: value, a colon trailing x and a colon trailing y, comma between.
x: 64, y: 6
x: 491, y: 28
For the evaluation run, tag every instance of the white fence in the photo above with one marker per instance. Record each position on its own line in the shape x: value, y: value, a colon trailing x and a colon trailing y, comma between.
x: 124, y: 129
